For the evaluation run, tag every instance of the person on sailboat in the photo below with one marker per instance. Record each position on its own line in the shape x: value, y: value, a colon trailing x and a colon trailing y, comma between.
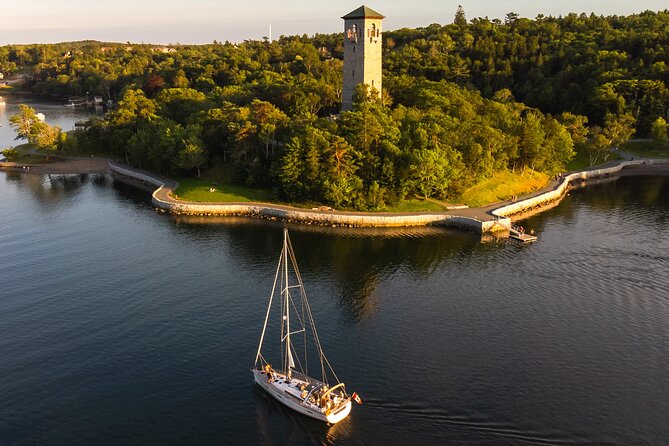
x: 270, y: 372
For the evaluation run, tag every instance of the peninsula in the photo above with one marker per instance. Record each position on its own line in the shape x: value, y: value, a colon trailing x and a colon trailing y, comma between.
x: 366, y: 119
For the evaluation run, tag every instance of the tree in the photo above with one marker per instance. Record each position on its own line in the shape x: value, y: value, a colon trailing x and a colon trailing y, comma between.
x: 180, y: 104
x: 45, y: 136
x: 577, y: 126
x: 659, y: 133
x: 558, y: 146
x: 134, y: 109
x: 180, y: 80
x: 618, y: 129
x: 511, y: 18
x: 192, y: 155
x: 460, y: 17
x: 432, y: 172
x: 11, y: 154
x: 38, y: 133
x: 532, y: 137
x: 23, y: 122
x: 266, y: 119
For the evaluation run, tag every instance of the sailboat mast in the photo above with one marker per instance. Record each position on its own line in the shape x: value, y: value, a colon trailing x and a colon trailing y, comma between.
x: 286, y: 285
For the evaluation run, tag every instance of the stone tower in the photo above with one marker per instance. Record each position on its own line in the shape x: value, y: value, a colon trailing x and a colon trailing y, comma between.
x: 362, y: 52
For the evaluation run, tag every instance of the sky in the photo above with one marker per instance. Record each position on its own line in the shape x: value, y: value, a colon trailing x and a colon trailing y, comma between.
x: 203, y: 21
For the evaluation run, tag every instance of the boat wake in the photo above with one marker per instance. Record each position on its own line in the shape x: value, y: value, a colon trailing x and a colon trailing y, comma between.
x: 437, y: 420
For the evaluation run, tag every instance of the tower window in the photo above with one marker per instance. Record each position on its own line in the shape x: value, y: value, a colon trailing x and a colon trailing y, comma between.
x: 353, y: 73
x: 372, y: 82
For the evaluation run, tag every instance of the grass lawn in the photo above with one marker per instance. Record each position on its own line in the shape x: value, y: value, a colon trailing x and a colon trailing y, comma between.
x: 502, y: 186
x: 645, y: 148
x: 23, y: 149
x: 416, y: 205
x: 192, y: 189
x: 219, y: 177
x: 25, y: 157
x: 580, y: 162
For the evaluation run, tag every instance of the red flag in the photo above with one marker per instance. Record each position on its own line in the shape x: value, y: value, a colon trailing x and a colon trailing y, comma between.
x: 356, y: 398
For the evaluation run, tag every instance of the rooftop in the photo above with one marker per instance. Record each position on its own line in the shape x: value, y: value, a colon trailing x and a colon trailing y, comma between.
x: 363, y: 12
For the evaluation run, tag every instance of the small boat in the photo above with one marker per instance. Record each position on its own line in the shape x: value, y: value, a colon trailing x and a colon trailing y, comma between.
x: 75, y: 102
x: 322, y: 398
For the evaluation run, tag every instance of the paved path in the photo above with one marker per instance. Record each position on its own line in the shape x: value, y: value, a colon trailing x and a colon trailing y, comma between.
x: 481, y: 218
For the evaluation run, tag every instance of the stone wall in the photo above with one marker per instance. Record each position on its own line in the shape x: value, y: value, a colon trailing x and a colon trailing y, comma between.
x: 562, y: 188
x: 497, y: 219
x: 162, y: 199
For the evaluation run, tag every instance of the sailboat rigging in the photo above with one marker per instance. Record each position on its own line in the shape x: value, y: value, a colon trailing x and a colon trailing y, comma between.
x: 323, y: 398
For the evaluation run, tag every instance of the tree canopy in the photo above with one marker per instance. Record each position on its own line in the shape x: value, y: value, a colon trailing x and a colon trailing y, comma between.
x: 460, y: 102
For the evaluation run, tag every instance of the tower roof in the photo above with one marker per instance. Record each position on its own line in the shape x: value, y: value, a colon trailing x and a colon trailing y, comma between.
x: 363, y: 12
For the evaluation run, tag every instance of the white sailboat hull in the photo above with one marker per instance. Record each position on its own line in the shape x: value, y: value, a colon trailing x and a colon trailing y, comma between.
x: 290, y: 385
x: 283, y: 393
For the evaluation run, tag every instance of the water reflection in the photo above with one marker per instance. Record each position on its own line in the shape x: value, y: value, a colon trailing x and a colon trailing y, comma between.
x: 272, y: 428
x: 647, y: 194
x: 353, y: 260
x: 54, y: 191
x: 142, y: 328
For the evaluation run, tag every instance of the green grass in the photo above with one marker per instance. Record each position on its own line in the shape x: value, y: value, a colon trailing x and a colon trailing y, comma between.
x: 219, y: 177
x: 580, y: 162
x: 191, y: 189
x: 416, y: 205
x: 645, y: 148
x: 23, y: 149
x: 503, y: 186
x: 25, y: 157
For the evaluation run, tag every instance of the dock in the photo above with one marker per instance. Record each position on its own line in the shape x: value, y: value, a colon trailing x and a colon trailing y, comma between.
x: 521, y: 236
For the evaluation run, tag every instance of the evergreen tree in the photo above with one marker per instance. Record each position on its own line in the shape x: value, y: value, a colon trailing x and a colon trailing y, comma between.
x: 460, y: 17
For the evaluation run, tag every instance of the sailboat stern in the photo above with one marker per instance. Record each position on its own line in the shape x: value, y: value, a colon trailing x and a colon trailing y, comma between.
x: 340, y: 414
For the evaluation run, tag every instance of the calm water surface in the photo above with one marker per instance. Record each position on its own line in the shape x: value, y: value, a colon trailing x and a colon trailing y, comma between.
x: 55, y: 114
x: 123, y: 326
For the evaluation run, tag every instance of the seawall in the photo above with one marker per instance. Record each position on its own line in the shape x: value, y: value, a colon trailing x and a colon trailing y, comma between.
x: 542, y: 199
x: 482, y: 220
x: 162, y: 199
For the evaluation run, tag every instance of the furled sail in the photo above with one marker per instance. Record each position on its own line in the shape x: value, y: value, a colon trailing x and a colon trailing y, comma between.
x: 291, y: 363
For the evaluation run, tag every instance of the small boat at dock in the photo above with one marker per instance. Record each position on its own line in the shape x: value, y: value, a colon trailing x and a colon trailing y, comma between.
x: 76, y: 102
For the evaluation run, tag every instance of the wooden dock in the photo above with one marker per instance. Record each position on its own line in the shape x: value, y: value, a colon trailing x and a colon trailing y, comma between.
x: 516, y: 233
x: 522, y: 237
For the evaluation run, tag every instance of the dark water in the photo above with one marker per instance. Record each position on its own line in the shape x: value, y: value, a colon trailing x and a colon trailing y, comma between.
x: 122, y: 326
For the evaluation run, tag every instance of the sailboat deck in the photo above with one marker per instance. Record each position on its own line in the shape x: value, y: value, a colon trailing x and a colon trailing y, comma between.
x: 303, y: 391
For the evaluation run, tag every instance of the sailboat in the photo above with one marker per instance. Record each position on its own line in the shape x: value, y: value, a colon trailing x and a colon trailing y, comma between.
x: 323, y: 398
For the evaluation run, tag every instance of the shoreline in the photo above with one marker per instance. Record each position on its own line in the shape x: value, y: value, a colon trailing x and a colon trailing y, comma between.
x: 484, y: 220
x: 60, y: 165
x: 496, y: 217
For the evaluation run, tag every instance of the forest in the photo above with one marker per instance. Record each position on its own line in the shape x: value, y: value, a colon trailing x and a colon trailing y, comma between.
x: 460, y: 102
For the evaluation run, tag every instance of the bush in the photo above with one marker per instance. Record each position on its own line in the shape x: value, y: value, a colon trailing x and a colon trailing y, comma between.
x: 11, y: 154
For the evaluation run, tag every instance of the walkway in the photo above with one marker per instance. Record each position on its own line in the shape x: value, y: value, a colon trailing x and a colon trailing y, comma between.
x: 494, y: 217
